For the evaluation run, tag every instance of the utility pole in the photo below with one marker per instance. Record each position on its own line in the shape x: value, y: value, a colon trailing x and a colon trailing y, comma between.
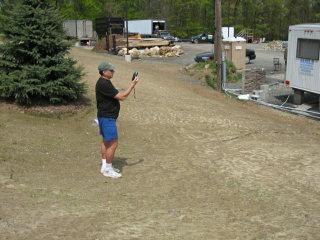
x: 127, y: 27
x: 218, y: 44
x: 127, y: 56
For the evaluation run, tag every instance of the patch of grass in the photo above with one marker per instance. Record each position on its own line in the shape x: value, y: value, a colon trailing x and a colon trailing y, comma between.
x: 19, y: 159
x: 46, y: 115
x: 43, y: 109
x: 203, y: 65
x: 90, y: 110
x: 9, y: 158
x: 59, y: 111
x: 4, y: 158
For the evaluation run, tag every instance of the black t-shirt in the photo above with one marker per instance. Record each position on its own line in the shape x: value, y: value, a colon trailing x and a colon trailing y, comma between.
x: 107, y: 105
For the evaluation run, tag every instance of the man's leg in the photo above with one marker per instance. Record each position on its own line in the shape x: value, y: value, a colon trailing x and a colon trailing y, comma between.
x: 108, y: 149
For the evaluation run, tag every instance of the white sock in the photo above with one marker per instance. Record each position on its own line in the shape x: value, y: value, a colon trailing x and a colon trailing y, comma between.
x: 108, y: 166
x: 104, y: 163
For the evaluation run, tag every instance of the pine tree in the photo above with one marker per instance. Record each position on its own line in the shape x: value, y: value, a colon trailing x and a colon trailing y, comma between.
x: 33, y: 61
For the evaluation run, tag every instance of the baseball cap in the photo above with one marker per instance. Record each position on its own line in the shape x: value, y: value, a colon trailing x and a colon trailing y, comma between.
x: 104, y: 66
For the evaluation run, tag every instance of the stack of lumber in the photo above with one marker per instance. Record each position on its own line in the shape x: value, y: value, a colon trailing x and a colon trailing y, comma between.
x: 116, y: 41
x: 274, y: 45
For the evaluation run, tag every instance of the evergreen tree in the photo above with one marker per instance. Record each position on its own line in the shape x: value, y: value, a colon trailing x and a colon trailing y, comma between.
x: 33, y: 65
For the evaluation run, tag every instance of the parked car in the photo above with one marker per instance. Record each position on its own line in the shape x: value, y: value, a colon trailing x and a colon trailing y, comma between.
x: 166, y: 36
x: 202, y: 57
x: 202, y: 37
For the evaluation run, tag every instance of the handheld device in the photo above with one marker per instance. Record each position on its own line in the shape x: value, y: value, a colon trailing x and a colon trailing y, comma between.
x: 134, y: 75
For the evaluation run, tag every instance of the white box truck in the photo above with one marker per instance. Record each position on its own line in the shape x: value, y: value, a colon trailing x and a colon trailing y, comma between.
x: 80, y: 29
x: 147, y: 27
x: 303, y: 64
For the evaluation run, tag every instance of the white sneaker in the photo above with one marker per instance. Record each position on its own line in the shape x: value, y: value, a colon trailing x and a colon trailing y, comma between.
x: 111, y: 173
x: 115, y: 169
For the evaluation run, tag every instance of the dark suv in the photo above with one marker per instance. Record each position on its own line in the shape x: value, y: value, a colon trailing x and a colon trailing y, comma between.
x: 202, y: 57
x: 202, y: 38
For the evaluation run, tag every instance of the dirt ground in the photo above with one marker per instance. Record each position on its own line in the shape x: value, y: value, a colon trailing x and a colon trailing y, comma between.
x: 196, y: 164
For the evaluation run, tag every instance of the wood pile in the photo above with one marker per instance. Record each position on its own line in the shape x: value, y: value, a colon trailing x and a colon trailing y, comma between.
x: 135, y: 41
x: 274, y: 45
x: 166, y: 51
x: 142, y: 42
x: 174, y: 51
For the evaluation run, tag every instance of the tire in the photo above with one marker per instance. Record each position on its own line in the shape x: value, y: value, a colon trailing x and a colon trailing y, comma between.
x: 247, y: 60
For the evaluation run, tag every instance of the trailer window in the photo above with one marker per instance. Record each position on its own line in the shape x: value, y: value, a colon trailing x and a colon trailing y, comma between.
x: 308, y: 49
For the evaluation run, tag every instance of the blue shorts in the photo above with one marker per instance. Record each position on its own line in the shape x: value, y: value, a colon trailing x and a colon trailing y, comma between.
x: 108, y: 128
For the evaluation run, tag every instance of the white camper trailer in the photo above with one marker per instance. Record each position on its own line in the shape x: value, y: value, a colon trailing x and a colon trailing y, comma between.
x: 303, y: 63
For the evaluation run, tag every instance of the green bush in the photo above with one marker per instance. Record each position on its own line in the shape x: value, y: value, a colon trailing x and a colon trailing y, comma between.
x: 232, y: 74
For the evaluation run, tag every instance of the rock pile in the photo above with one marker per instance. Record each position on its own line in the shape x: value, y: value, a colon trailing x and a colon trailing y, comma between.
x: 166, y: 51
x: 274, y: 45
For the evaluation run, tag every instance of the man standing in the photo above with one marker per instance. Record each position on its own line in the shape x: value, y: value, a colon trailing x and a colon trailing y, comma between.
x: 108, y: 106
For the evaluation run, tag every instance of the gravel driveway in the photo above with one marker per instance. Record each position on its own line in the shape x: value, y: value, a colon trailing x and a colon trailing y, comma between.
x: 264, y: 57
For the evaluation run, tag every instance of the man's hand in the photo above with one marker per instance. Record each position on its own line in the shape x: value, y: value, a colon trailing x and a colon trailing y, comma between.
x: 135, y: 80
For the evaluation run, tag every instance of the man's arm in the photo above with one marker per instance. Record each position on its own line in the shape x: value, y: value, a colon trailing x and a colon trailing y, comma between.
x: 123, y: 95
